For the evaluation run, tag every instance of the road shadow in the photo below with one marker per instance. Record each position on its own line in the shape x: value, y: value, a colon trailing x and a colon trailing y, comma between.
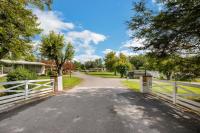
x: 158, y: 114
x: 15, y: 110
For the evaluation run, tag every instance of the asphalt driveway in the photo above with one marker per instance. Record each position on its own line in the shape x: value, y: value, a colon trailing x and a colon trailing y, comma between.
x: 98, y: 106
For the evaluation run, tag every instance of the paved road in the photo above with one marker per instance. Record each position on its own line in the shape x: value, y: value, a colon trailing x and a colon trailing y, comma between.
x: 97, y: 106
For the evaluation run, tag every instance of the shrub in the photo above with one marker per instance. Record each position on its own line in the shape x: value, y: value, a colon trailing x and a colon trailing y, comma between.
x: 123, y: 68
x: 21, y: 74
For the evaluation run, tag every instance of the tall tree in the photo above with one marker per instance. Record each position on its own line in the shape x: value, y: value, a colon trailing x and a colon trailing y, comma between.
x: 110, y: 62
x: 98, y: 63
x: 53, y: 48
x: 70, y: 55
x: 17, y: 26
x: 123, y: 65
x: 174, y: 29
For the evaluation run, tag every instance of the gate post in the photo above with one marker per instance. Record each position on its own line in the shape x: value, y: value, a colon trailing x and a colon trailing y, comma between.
x: 53, y: 82
x: 146, y: 84
x: 174, y: 93
x: 26, y: 89
x: 60, y: 83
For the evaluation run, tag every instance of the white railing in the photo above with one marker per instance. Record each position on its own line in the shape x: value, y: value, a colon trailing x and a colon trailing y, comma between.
x: 12, y: 93
x: 177, y: 92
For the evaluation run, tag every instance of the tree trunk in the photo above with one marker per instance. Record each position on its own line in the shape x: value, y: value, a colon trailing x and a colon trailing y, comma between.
x: 122, y: 75
x: 59, y: 71
x: 70, y: 70
x: 115, y: 72
x: 168, y: 75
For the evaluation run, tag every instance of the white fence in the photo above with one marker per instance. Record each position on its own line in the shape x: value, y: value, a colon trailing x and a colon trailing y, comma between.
x: 177, y: 92
x: 21, y: 91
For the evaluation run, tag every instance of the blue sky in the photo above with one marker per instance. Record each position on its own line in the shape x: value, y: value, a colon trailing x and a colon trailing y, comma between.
x: 95, y: 27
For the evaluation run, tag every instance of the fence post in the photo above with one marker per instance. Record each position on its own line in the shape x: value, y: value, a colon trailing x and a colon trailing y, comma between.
x: 53, y: 82
x: 174, y: 93
x: 26, y: 89
x: 146, y: 84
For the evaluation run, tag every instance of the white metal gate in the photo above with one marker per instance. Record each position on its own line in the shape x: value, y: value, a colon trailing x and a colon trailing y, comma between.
x: 177, y: 92
x: 12, y: 93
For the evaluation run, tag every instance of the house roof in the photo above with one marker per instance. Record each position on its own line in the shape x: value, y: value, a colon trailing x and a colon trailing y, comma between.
x: 21, y: 62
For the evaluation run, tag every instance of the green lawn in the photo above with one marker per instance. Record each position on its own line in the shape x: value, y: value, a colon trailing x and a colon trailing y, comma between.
x: 69, y: 83
x: 197, y: 80
x: 166, y: 88
x: 133, y: 85
x: 104, y: 74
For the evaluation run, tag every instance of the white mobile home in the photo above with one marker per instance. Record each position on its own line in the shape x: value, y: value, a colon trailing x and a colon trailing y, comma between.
x: 8, y: 65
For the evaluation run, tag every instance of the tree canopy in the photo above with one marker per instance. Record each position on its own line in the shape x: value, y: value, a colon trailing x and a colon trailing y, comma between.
x: 137, y: 61
x: 110, y: 61
x: 123, y: 65
x: 53, y: 48
x: 97, y: 63
x: 18, y: 25
x: 174, y: 29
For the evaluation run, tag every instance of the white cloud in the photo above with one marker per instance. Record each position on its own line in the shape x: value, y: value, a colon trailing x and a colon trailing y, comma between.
x: 160, y: 5
x: 107, y: 51
x: 86, y: 36
x: 85, y: 43
x: 85, y: 57
x: 153, y: 1
x: 133, y: 43
x: 51, y: 21
x: 129, y: 33
x: 127, y: 52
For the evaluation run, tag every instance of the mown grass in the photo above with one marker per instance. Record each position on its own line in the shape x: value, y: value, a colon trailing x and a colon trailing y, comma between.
x: 69, y: 83
x: 133, y: 85
x: 104, y: 74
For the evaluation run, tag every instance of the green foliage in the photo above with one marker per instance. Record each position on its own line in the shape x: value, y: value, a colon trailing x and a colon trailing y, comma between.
x: 21, y: 74
x: 174, y: 29
x: 17, y: 26
x: 175, y: 67
x: 40, y: 3
x: 138, y: 61
x: 53, y: 48
x: 188, y: 68
x: 110, y: 61
x: 123, y: 65
x: 77, y: 65
x: 30, y: 57
x: 97, y: 63
x: 69, y: 52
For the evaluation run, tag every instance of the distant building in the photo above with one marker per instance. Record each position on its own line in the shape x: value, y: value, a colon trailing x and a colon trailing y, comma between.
x: 8, y: 65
